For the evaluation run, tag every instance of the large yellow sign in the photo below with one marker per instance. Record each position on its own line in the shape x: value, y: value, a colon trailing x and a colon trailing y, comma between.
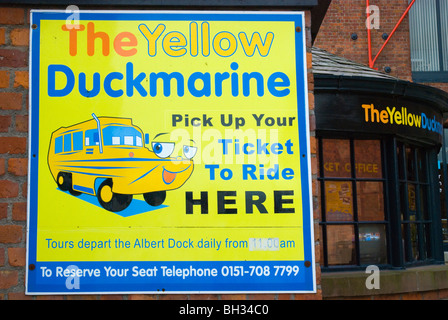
x: 165, y: 142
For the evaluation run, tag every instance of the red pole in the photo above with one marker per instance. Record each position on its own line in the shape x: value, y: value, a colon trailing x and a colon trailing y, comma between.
x: 393, y: 32
x: 369, y: 36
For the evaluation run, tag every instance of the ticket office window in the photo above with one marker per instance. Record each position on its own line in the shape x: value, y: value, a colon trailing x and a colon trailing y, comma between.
x: 376, y: 204
x: 354, y: 220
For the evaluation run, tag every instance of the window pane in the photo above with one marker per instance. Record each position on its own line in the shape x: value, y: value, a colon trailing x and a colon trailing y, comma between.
x: 410, y: 241
x: 128, y: 140
x: 77, y: 141
x: 92, y: 137
x: 340, y: 245
x: 370, y: 201
x: 336, y: 157
x: 122, y: 134
x: 444, y: 31
x: 400, y: 157
x: 414, y: 241
x: 427, y: 237
x: 424, y: 36
x: 68, y: 142
x: 412, y: 203
x: 338, y: 201
x: 404, y: 202
x: 410, y: 164
x: 421, y: 166
x: 368, y: 159
x: 372, y: 244
x: 423, y: 203
x: 322, y: 253
x: 445, y: 230
x: 58, y: 145
x: 406, y: 242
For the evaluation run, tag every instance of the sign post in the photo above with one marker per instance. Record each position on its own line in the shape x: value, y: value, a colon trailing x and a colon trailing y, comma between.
x: 169, y: 153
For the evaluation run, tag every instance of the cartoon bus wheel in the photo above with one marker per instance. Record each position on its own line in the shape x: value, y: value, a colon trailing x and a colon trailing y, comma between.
x: 64, y: 181
x: 110, y: 200
x: 155, y: 199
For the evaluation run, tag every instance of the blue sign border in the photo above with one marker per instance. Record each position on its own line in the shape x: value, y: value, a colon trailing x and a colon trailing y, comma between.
x: 252, y: 279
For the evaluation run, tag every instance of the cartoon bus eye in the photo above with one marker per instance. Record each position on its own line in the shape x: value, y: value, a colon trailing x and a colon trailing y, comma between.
x: 163, y: 149
x: 190, y: 152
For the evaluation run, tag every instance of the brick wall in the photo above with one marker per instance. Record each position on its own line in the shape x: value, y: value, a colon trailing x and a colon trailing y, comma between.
x: 14, y: 39
x: 346, y: 17
x: 14, y: 50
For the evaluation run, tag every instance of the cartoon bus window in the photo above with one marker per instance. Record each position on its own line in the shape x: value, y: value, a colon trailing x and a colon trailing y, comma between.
x: 58, y: 145
x: 123, y: 136
x: 138, y: 141
x: 77, y: 141
x: 92, y: 138
x: 129, y: 140
x: 68, y: 142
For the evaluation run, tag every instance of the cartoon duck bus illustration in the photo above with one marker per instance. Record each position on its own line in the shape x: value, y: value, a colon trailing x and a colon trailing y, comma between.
x: 112, y: 159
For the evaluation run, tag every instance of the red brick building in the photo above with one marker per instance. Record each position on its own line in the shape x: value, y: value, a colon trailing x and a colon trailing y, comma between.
x: 344, y: 33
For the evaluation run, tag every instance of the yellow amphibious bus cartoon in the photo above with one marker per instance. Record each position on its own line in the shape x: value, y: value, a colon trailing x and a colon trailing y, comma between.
x: 106, y: 157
